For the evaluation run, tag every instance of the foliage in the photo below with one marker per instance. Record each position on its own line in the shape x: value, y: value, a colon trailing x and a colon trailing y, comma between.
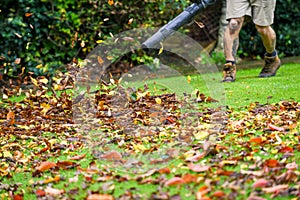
x: 286, y: 27
x: 49, y: 34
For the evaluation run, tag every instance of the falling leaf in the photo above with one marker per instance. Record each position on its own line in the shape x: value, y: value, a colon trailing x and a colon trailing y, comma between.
x: 174, y: 181
x: 17, y: 61
x: 110, y: 2
x: 28, y: 14
x: 161, y: 49
x: 189, y: 79
x: 100, y: 60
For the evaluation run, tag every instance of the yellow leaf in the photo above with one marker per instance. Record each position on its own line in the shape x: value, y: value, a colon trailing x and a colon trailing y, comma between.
x: 189, y: 79
x: 46, y: 107
x: 5, y: 96
x: 39, y: 66
x: 34, y: 81
x: 201, y: 135
x: 161, y: 49
x: 158, y: 100
x: 43, y: 80
x: 110, y: 2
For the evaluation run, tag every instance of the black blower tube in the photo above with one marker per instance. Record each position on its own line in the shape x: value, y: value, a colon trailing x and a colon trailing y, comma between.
x: 183, y: 18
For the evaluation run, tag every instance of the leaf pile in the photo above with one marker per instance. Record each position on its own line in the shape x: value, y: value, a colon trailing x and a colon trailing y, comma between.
x: 133, y: 144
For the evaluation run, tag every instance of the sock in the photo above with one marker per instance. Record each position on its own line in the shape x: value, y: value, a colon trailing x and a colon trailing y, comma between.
x: 273, y: 54
x: 230, y: 61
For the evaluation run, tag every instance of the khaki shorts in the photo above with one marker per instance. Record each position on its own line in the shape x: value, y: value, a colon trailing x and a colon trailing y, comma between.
x: 261, y: 11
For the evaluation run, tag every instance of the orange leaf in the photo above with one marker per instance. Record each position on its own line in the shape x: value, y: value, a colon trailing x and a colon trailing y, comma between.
x: 10, y: 117
x: 257, y: 140
x: 218, y: 194
x: 271, y: 163
x: 40, y: 193
x: 164, y: 170
x: 17, y: 197
x: 189, y: 178
x: 45, y: 166
x: 174, y: 181
x: 286, y: 149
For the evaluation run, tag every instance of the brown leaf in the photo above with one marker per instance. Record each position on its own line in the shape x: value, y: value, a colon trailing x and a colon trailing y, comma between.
x: 292, y: 166
x: 272, y: 163
x: 44, y: 166
x: 260, y: 183
x: 275, y: 189
x: 198, y: 168
x: 66, y: 164
x: 164, y: 170
x: 100, y: 197
x: 10, y: 117
x: 255, y: 198
x: 275, y: 128
x: 286, y: 149
x: 189, y: 178
x: 113, y: 155
x: 174, y: 181
x: 79, y: 157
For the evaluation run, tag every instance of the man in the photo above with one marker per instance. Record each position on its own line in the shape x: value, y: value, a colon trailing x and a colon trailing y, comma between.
x: 262, y: 14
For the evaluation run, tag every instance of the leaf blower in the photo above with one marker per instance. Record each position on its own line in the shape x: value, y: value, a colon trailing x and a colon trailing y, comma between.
x: 183, y: 18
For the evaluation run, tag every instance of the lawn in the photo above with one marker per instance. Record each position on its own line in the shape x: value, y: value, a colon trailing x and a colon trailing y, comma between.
x: 154, y: 144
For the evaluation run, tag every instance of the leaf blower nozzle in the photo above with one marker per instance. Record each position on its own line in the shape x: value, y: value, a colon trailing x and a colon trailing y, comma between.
x: 183, y: 18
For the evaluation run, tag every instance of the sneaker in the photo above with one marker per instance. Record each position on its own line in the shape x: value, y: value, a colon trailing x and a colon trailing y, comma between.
x: 272, y: 64
x: 229, y: 72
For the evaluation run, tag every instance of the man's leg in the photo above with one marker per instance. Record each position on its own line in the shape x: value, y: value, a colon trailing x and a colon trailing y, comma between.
x: 272, y: 61
x: 231, y: 44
